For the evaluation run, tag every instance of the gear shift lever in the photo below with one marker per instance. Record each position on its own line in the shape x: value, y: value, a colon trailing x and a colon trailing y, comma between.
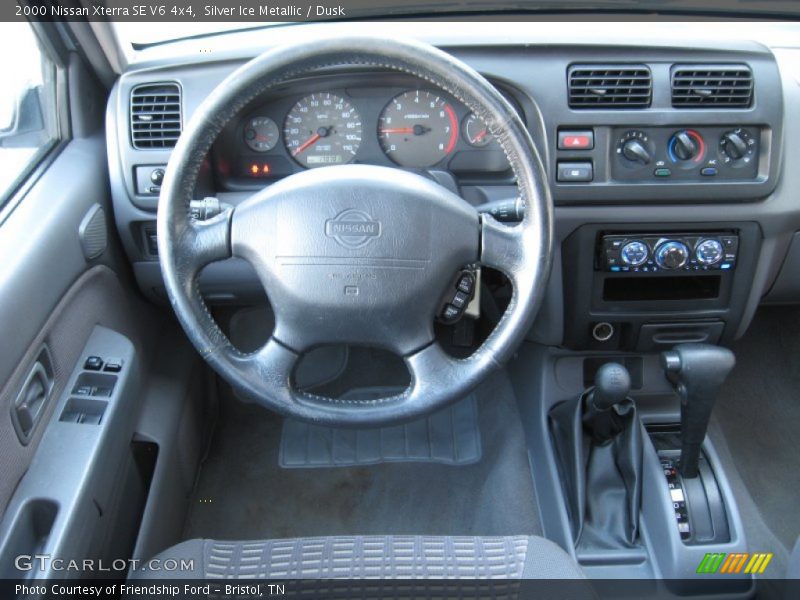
x: 696, y: 371
x: 612, y: 383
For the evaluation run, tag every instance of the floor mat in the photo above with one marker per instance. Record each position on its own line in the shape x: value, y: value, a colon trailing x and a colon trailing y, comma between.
x: 450, y: 436
x: 242, y: 493
x: 759, y: 414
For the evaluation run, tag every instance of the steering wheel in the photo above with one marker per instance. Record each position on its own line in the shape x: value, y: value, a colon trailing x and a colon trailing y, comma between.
x: 355, y: 254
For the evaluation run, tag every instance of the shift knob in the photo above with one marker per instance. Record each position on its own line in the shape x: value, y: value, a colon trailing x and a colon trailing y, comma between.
x: 697, y: 371
x: 612, y: 384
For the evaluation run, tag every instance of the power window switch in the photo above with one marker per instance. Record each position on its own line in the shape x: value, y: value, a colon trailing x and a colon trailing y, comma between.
x: 93, y: 363
x: 91, y: 418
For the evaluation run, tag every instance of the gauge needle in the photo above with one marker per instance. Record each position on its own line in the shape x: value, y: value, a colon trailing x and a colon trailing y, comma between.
x: 480, y: 136
x: 398, y: 130
x: 306, y: 144
x: 416, y: 130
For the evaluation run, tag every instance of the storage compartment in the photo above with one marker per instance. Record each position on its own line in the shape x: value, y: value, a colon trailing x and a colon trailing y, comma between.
x: 28, y: 534
x: 115, y: 535
x: 639, y: 288
x: 660, y: 336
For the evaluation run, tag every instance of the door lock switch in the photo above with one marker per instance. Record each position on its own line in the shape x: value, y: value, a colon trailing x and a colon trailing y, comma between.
x: 93, y: 363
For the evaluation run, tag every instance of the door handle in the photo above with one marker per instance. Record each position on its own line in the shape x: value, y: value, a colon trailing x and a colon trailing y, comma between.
x: 32, y: 399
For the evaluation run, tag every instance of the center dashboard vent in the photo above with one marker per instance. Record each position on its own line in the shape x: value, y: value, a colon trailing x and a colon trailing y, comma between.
x: 712, y: 86
x: 609, y: 86
x: 155, y: 115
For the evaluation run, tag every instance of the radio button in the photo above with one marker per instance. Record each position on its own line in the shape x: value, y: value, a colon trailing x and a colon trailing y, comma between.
x: 709, y: 252
x: 672, y: 255
x: 634, y: 253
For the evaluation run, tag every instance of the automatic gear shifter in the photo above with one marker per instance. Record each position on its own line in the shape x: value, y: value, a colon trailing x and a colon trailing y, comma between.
x: 696, y: 371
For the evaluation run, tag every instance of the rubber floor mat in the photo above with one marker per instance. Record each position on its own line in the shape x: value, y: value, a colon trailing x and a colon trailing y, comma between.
x: 450, y: 436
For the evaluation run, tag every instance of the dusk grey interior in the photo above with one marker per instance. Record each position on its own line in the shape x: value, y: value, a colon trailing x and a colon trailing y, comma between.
x: 531, y: 299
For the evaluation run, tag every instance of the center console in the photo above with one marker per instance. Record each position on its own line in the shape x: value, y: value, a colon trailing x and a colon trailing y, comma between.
x: 621, y: 478
x: 644, y: 287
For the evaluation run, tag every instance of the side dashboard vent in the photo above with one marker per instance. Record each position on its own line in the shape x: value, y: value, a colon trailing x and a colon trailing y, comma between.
x: 609, y: 86
x: 155, y: 115
x: 712, y: 86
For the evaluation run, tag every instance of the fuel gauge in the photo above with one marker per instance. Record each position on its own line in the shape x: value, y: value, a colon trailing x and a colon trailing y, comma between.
x: 475, y: 131
x: 261, y: 134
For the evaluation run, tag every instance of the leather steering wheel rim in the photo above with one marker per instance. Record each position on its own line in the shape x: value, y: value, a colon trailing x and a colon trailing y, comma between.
x: 523, y: 252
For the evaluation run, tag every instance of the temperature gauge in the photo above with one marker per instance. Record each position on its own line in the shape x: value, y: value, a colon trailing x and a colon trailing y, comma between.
x: 261, y: 134
x: 475, y: 131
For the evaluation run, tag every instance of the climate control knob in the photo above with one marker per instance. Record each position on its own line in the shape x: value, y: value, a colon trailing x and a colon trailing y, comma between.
x: 634, y: 253
x: 686, y: 145
x: 737, y: 146
x: 672, y: 254
x: 709, y: 252
x: 637, y: 152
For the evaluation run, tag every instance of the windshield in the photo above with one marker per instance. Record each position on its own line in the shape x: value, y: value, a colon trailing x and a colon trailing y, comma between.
x: 138, y: 34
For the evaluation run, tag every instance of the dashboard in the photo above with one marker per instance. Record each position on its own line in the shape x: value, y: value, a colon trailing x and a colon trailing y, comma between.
x: 669, y: 158
x: 374, y: 118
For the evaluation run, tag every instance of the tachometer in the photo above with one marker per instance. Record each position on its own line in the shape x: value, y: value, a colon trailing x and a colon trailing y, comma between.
x: 418, y: 129
x: 322, y: 129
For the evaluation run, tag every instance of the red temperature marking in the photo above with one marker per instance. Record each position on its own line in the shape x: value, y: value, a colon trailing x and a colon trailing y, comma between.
x: 453, y: 128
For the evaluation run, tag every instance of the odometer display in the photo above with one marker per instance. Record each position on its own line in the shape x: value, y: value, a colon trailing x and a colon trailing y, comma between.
x: 322, y: 129
x: 418, y: 129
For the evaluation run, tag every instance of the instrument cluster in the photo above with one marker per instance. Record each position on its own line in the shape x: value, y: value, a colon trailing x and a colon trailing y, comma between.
x: 404, y: 126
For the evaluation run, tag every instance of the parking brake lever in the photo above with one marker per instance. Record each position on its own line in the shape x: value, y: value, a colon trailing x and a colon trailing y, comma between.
x: 696, y: 371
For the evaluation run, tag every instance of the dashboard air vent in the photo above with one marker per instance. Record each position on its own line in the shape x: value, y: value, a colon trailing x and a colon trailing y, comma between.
x: 712, y: 86
x: 155, y: 115
x: 609, y: 86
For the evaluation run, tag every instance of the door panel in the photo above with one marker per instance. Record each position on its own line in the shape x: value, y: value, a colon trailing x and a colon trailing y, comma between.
x: 51, y: 295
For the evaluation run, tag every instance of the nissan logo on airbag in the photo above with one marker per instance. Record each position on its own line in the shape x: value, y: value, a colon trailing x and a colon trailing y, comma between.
x: 352, y: 228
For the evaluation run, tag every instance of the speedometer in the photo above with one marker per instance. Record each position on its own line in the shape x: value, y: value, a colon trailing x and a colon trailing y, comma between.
x: 418, y: 129
x: 322, y: 129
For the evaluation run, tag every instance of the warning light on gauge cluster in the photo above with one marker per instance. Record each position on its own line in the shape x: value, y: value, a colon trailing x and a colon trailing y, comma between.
x: 258, y: 169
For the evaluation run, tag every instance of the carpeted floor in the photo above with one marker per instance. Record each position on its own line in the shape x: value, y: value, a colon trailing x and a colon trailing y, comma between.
x: 759, y: 414
x: 243, y: 494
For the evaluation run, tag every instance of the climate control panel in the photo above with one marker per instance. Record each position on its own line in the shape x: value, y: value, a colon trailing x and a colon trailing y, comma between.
x: 668, y: 252
x: 728, y: 153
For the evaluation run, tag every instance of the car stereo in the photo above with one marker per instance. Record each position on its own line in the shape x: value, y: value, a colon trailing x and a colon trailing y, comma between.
x: 675, y: 253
